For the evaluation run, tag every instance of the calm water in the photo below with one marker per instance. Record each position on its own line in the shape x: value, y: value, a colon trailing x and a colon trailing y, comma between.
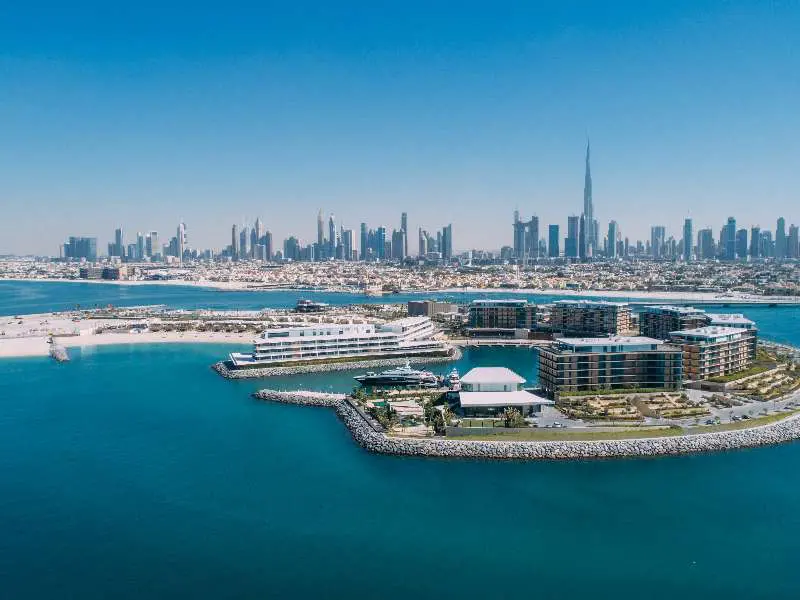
x: 776, y: 323
x: 137, y: 472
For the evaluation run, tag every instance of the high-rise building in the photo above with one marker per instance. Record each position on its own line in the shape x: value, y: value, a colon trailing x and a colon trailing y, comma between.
x: 741, y: 244
x: 380, y: 242
x: 446, y: 247
x: 767, y: 246
x: 347, y: 244
x: 363, y: 242
x: 658, y: 234
x: 573, y: 234
x: 792, y: 247
x: 532, y: 238
x: 234, y: 243
x: 705, y: 244
x: 118, y: 248
x: 519, y: 237
x: 755, y: 241
x: 181, y: 240
x: 404, y: 228
x: 688, y: 239
x: 423, y: 242
x: 588, y: 204
x: 140, y: 245
x: 780, y: 238
x: 582, y: 239
x: 398, y: 244
x: 613, y: 233
x: 244, y: 239
x: 155, y: 245
x: 81, y: 248
x: 267, y: 242
x: 320, y: 229
x: 332, y: 238
x: 291, y: 249
x: 730, y: 239
x: 553, y: 241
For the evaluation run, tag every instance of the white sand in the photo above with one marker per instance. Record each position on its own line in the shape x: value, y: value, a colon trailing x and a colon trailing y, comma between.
x: 38, y: 346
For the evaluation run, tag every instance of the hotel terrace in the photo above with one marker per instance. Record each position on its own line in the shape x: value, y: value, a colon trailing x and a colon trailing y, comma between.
x: 412, y: 336
x: 596, y: 364
x: 591, y: 317
x: 714, y: 351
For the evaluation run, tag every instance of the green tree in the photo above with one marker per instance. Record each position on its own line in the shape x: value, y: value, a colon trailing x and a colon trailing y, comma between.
x: 513, y: 418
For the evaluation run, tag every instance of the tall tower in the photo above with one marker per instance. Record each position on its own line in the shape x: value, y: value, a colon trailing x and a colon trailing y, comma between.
x: 320, y: 230
x: 588, y: 205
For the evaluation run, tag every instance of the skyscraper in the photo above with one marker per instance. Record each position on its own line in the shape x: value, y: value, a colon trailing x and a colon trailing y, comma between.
x: 119, y: 244
x: 243, y: 240
x: 532, y: 238
x: 613, y: 233
x: 234, y: 243
x: 320, y: 229
x: 688, y: 240
x: 741, y: 244
x: 519, y: 237
x: 582, y: 242
x: 730, y: 239
x: 705, y: 244
x: 139, y: 245
x: 588, y: 204
x: 447, y: 242
x: 573, y: 233
x: 268, y: 245
x: 181, y: 240
x: 332, y: 237
x: 553, y: 241
x: 755, y: 241
x: 154, y: 246
x: 658, y: 234
x: 380, y: 242
x: 404, y: 228
x: 780, y: 238
x: 347, y: 244
x: 363, y: 241
x: 792, y: 243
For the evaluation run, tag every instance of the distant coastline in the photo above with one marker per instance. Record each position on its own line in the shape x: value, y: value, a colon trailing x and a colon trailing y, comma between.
x: 244, y: 286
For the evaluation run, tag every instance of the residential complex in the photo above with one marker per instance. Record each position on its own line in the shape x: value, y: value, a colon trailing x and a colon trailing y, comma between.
x: 590, y: 364
x: 659, y: 321
x: 714, y: 351
x: 430, y: 308
x: 412, y: 336
x: 501, y: 317
x: 588, y: 317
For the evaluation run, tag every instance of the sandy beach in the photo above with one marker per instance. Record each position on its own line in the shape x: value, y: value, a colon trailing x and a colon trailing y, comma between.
x: 38, y: 346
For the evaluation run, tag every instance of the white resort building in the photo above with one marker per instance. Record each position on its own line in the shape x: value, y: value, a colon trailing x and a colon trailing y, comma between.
x: 412, y: 336
x: 489, y: 391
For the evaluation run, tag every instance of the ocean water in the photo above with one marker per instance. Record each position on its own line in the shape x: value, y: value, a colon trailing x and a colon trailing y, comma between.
x: 137, y: 472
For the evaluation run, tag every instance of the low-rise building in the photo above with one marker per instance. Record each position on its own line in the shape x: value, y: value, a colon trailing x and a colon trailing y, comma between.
x: 737, y: 321
x: 714, y: 351
x: 489, y: 391
x: 412, y: 336
x: 501, y: 317
x: 659, y: 321
x: 596, y: 364
x: 590, y: 317
x: 430, y: 308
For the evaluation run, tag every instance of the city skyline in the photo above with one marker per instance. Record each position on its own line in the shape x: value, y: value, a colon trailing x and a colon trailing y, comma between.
x: 687, y: 105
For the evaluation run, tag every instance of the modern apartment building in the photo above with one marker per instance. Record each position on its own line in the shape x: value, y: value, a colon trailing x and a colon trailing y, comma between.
x: 412, y: 336
x: 430, y: 308
x: 738, y: 321
x: 659, y: 321
x: 497, y: 316
x: 596, y: 364
x: 714, y: 351
x: 590, y: 317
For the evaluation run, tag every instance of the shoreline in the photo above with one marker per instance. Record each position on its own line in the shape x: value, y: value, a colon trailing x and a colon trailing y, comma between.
x: 631, y: 295
x: 372, y: 438
x: 23, y: 347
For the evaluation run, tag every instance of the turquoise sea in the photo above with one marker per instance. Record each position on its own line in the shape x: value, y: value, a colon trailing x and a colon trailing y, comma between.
x: 137, y: 472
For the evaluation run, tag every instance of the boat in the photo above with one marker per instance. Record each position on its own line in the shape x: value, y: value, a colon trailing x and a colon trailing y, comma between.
x: 401, y: 376
x: 453, y: 380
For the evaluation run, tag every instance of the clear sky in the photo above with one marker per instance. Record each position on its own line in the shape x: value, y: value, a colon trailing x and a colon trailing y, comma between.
x: 143, y: 113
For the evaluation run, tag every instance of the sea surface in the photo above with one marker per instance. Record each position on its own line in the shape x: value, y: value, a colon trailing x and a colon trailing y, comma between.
x: 137, y: 472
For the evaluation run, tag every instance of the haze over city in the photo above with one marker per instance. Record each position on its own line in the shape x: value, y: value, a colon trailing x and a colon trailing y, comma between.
x: 148, y: 116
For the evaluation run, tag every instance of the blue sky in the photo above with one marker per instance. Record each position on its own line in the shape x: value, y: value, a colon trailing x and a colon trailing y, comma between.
x: 146, y: 113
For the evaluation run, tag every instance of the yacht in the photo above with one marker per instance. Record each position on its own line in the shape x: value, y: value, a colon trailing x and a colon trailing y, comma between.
x: 400, y: 376
x: 453, y: 380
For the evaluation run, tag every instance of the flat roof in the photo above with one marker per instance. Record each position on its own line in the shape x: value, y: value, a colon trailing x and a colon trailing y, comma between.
x: 708, y: 332
x: 497, y: 399
x: 722, y: 318
x: 620, y: 340
x: 500, y: 301
x: 492, y: 375
x: 591, y: 303
x: 684, y: 310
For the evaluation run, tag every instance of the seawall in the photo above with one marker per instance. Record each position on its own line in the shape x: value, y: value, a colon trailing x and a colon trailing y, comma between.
x: 223, y: 369
x: 370, y: 436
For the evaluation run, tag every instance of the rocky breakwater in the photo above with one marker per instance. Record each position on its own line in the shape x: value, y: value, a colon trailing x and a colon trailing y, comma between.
x: 224, y: 368
x: 302, y: 398
x: 375, y: 441
x: 370, y: 435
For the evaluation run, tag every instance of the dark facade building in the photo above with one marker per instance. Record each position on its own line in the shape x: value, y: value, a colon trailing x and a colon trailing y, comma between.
x: 586, y: 317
